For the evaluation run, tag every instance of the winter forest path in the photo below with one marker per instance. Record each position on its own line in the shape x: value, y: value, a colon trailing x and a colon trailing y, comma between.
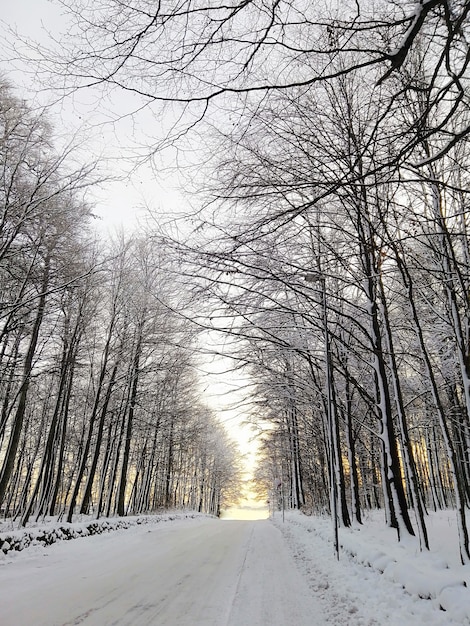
x: 207, y: 572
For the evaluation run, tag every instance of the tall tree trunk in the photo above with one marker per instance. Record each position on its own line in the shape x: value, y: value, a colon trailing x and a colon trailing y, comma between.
x: 17, y: 425
x: 130, y: 420
x: 84, y: 507
x: 92, y: 420
x: 407, y: 450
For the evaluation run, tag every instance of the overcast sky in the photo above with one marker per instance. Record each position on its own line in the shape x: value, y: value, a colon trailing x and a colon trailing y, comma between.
x: 117, y: 203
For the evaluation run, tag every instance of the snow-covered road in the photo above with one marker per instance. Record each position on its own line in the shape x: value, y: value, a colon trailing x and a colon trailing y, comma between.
x: 207, y: 572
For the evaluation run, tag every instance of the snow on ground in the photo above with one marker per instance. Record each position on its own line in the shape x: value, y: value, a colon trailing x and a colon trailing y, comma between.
x: 209, y: 572
x: 204, y: 572
x: 378, y: 580
x: 51, y: 531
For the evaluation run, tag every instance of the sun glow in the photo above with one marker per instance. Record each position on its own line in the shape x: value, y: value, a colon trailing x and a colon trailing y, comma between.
x: 245, y: 513
x: 227, y: 392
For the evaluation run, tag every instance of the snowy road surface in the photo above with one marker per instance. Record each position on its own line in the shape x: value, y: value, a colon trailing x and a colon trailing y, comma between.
x: 207, y: 572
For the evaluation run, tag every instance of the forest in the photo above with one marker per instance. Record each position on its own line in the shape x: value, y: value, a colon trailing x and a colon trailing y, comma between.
x: 329, y: 245
x: 101, y: 410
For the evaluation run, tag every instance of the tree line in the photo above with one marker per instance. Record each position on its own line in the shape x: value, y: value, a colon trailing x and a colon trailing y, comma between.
x: 354, y: 307
x: 334, y: 246
x: 101, y: 411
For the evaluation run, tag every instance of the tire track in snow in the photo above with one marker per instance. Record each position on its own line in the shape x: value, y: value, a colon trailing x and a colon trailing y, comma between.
x: 239, y: 578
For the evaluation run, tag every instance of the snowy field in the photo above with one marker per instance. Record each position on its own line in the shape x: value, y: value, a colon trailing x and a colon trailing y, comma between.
x: 203, y: 571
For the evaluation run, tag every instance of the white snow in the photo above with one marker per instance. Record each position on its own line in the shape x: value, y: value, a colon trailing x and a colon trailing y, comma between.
x: 378, y: 580
x: 204, y: 571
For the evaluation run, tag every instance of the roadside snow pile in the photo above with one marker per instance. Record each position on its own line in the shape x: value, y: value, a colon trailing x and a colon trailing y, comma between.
x: 51, y: 532
x: 434, y: 575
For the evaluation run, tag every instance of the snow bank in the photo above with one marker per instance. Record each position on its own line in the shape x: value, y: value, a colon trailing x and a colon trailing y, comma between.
x: 52, y: 531
x: 436, y: 576
x: 419, y: 574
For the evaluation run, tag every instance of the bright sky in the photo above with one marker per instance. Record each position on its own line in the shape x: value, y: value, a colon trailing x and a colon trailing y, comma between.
x: 120, y: 203
x: 227, y: 392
